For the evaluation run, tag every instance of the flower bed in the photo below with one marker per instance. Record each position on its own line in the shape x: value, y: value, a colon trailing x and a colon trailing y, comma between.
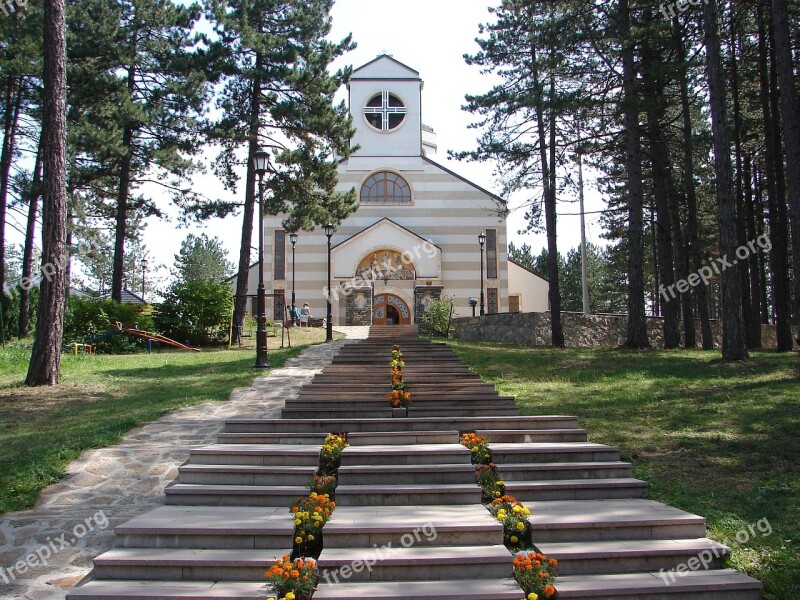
x: 535, y: 574
x: 293, y: 579
x: 399, y: 397
x: 330, y: 457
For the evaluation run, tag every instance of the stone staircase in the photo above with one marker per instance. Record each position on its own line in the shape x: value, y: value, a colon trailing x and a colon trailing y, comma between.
x: 408, y: 522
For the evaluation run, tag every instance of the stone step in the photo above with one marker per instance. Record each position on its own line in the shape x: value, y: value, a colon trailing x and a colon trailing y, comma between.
x: 149, y: 590
x: 378, y: 400
x: 411, y: 494
x: 605, y: 520
x: 457, y: 589
x: 367, y: 526
x: 416, y: 474
x: 361, y: 424
x: 632, y: 556
x: 576, y: 489
x: 167, y: 564
x: 294, y: 439
x: 256, y: 454
x: 549, y: 452
x: 413, y: 564
x: 208, y: 527
x: 322, y: 396
x: 477, y: 412
x: 715, y: 584
x: 418, y: 454
x: 246, y: 475
x: 521, y: 436
x: 402, y: 438
x: 568, y: 470
x: 190, y: 494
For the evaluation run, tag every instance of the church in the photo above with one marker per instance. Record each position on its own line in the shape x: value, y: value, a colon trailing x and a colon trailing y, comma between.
x: 420, y: 232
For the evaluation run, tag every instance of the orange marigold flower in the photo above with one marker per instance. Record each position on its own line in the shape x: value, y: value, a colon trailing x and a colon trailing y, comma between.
x: 549, y: 590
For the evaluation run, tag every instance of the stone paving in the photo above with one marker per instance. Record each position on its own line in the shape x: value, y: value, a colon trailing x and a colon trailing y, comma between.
x: 109, y: 486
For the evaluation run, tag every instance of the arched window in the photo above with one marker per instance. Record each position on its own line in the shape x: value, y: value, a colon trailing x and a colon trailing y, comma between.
x: 385, y: 188
x: 385, y: 111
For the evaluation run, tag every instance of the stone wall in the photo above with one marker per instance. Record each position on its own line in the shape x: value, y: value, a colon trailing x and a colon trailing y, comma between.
x: 359, y: 307
x: 580, y: 331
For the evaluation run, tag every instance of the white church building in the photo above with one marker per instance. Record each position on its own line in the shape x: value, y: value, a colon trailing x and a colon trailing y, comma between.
x: 415, y: 234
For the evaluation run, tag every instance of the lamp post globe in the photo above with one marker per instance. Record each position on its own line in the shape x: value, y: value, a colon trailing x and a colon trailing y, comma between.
x: 329, y: 228
x: 260, y: 161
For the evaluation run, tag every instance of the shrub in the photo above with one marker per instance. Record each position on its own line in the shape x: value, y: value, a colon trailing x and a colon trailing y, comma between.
x: 198, y: 312
x: 479, y: 448
x: 331, y: 454
x: 310, y: 515
x: 87, y: 318
x: 293, y: 579
x: 535, y: 574
x: 437, y: 317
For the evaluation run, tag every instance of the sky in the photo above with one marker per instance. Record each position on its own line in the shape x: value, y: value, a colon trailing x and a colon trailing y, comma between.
x: 430, y: 36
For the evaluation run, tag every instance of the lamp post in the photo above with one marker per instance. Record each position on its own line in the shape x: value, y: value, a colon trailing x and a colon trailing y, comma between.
x: 482, y: 242
x: 293, y: 240
x: 329, y: 325
x: 144, y: 272
x: 260, y: 161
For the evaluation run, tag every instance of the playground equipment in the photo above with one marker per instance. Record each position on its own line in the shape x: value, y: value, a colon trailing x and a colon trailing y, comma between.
x: 136, y: 332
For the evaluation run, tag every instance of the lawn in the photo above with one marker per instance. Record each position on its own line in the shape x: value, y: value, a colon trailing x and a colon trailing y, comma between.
x: 716, y: 439
x: 101, y: 398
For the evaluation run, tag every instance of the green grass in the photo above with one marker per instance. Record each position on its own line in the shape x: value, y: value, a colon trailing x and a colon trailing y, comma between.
x: 100, y: 399
x: 721, y: 440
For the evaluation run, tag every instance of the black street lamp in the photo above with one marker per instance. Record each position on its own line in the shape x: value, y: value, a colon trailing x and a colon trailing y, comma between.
x: 293, y: 240
x: 482, y: 242
x: 144, y: 272
x: 329, y: 326
x: 260, y: 163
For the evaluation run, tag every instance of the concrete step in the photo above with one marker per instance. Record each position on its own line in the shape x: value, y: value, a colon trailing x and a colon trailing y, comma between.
x: 149, y: 590
x: 190, y: 494
x: 552, y: 452
x: 417, y: 454
x: 414, y: 474
x: 312, y: 425
x: 577, y: 489
x: 208, y: 527
x: 719, y: 584
x: 440, y: 406
x: 256, y: 454
x: 167, y: 564
x: 605, y: 520
x: 246, y: 475
x: 632, y: 556
x: 294, y: 439
x: 413, y: 564
x: 521, y: 436
x: 403, y: 438
x: 457, y: 589
x: 488, y: 409
x: 418, y: 526
x: 567, y: 470
x: 410, y: 494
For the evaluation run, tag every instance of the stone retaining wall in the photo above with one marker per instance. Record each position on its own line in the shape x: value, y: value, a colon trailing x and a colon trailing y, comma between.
x: 580, y: 331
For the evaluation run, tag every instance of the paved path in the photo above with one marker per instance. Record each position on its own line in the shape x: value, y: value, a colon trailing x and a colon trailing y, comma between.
x: 109, y: 486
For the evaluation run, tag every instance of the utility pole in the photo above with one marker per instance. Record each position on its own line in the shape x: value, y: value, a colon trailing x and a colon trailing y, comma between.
x: 584, y: 258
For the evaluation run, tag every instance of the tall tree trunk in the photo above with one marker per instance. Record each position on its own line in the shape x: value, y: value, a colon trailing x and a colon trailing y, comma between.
x: 243, y: 274
x: 753, y: 316
x: 121, y: 220
x: 637, y: 321
x: 13, y: 102
x: 791, y: 126
x: 30, y: 235
x: 741, y: 221
x: 692, y: 226
x: 734, y: 346
x: 46, y: 356
x: 776, y: 206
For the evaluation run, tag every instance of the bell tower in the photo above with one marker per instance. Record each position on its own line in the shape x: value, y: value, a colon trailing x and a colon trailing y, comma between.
x: 385, y: 102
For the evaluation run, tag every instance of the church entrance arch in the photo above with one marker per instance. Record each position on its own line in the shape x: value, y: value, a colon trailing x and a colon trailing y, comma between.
x: 388, y: 309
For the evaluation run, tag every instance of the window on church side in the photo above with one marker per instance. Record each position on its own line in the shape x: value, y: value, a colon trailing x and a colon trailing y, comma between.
x: 491, y: 253
x: 385, y: 111
x: 280, y: 306
x: 385, y: 188
x: 492, y: 301
x: 280, y: 255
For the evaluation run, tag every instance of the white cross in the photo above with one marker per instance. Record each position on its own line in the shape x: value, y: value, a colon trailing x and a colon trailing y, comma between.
x: 385, y: 110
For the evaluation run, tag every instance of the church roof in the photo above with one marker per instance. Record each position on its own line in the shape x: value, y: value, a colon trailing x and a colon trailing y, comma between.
x: 465, y: 180
x: 414, y: 74
x: 379, y: 223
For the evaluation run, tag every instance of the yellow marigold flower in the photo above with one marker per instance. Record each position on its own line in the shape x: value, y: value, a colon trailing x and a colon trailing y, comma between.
x: 310, y: 538
x: 533, y: 596
x: 290, y: 596
x: 514, y: 539
x: 520, y: 526
x: 298, y: 540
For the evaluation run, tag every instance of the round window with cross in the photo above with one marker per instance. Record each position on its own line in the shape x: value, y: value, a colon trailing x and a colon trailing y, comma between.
x: 385, y: 111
